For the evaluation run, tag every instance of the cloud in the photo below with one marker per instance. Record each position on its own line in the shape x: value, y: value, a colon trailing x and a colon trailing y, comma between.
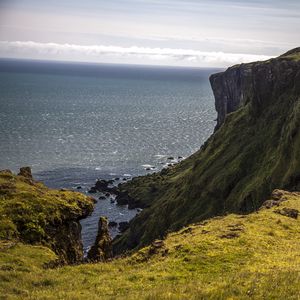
x: 103, y: 53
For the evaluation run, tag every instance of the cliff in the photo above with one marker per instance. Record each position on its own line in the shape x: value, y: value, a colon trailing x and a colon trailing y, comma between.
x: 255, y: 148
x: 34, y: 214
x: 256, y: 82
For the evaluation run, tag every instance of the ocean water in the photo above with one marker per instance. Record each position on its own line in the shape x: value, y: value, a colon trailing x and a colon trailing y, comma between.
x: 74, y: 123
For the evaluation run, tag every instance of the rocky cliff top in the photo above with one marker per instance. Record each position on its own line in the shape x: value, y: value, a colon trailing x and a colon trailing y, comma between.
x: 256, y: 82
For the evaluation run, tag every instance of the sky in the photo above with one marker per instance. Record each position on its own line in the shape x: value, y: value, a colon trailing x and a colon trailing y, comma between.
x: 199, y: 33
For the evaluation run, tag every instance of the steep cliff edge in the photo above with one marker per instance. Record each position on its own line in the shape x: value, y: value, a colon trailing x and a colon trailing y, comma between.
x: 34, y: 214
x: 257, y: 82
x: 255, y: 149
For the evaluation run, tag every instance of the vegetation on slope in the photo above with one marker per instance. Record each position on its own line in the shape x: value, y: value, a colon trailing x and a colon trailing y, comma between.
x: 33, y: 213
x: 255, y: 150
x: 254, y: 256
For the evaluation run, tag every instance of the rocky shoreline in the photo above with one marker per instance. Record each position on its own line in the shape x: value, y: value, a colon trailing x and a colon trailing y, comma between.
x: 114, y: 191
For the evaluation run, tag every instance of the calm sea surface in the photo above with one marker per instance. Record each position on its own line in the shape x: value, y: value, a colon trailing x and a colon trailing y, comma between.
x: 74, y: 123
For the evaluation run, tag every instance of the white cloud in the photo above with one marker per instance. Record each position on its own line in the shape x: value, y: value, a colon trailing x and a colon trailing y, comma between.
x: 102, y: 53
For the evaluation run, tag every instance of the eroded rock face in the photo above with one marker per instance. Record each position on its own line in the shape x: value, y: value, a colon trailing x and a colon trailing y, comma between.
x: 65, y: 240
x: 102, y: 249
x: 257, y: 82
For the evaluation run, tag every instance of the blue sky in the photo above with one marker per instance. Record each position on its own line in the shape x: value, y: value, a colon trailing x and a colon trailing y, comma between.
x: 163, y: 32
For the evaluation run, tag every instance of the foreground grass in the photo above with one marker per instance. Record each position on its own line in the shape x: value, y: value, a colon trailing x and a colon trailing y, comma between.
x: 255, y: 256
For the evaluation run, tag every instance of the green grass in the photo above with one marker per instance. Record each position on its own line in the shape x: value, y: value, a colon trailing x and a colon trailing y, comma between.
x: 197, y: 262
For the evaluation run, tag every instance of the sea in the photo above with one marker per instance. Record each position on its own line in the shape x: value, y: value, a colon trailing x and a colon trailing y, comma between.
x: 74, y: 123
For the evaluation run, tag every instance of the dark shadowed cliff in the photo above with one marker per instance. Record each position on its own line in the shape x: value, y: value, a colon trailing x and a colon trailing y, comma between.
x: 255, y: 148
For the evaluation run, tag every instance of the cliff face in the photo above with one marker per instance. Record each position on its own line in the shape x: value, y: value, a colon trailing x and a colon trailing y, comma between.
x: 256, y: 82
x: 255, y: 149
x: 32, y: 213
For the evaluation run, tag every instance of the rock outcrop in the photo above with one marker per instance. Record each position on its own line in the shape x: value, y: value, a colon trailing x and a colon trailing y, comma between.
x: 35, y: 214
x: 102, y: 248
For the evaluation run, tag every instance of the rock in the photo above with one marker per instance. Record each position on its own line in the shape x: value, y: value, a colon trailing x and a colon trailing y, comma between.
x: 171, y: 158
x: 102, y: 198
x: 123, y: 226
x: 102, y: 248
x: 112, y: 224
x: 229, y: 235
x: 101, y: 185
x: 25, y: 172
x: 270, y: 203
x: 277, y: 194
x: 117, y: 179
x: 92, y: 190
x: 156, y: 247
x: 124, y: 199
x: 124, y: 179
x: 277, y: 197
x: 180, y: 157
x: 288, y: 212
x: 148, y: 169
x: 79, y: 187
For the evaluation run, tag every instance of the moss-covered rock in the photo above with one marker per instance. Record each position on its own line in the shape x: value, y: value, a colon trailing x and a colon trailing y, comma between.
x: 35, y: 214
x: 255, y: 149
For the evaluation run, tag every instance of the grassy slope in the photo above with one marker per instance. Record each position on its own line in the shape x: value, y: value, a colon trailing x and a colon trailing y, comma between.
x: 28, y: 209
x: 262, y: 262
x: 255, y: 151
